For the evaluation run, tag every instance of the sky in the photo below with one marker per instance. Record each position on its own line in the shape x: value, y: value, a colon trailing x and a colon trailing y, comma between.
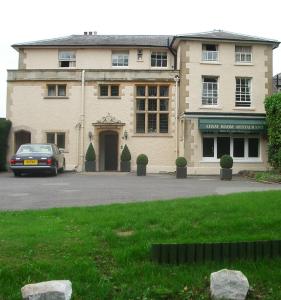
x: 31, y: 20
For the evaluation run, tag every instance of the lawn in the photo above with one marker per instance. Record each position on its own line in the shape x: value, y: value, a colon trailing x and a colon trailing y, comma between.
x: 104, y: 250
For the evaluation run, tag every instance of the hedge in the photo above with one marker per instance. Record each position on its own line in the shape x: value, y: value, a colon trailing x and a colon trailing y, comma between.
x: 5, y: 126
x: 273, y: 118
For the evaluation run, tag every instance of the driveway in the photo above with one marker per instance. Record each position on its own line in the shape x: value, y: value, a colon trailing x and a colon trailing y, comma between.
x: 88, y: 189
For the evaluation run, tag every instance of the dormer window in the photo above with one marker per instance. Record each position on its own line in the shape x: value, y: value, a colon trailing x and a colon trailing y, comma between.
x: 243, y: 54
x: 210, y: 52
x: 67, y: 59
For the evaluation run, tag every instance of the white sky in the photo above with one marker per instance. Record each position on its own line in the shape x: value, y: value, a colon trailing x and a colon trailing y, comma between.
x: 23, y: 21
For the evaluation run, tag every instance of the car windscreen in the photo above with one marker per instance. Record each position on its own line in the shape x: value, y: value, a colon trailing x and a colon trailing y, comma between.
x: 44, y: 149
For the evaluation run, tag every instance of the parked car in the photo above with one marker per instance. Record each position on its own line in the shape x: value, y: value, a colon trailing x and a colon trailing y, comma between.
x: 32, y: 158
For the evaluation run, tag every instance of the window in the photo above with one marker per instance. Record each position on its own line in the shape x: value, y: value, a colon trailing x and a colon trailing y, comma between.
x: 67, y: 59
x: 159, y: 59
x: 139, y: 55
x: 240, y: 148
x: 243, y: 54
x: 243, y: 92
x: 209, y: 90
x: 57, y: 138
x: 108, y: 90
x: 210, y: 52
x: 152, y: 109
x: 120, y: 59
x: 56, y: 90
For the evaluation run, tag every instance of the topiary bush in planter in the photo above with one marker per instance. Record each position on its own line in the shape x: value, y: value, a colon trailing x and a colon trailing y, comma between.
x: 226, y: 163
x: 5, y: 126
x: 142, y: 161
x: 90, y: 163
x: 181, y: 171
x: 125, y: 160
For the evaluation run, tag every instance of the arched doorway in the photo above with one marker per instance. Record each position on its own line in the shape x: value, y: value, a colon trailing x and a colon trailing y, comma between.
x: 22, y: 137
x: 108, y: 151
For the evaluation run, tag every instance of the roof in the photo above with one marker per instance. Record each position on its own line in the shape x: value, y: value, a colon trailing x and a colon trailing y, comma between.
x: 101, y: 40
x: 225, y: 35
x: 95, y: 40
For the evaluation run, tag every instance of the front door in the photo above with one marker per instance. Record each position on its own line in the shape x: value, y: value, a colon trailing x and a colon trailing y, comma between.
x: 110, y: 151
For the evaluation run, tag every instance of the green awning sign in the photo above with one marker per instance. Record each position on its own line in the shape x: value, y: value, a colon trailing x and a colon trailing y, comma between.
x: 232, y: 125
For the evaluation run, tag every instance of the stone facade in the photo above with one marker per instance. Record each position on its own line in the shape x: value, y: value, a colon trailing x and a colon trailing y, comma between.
x: 77, y: 112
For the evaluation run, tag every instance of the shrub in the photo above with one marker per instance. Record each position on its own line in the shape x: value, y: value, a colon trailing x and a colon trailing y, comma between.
x: 273, y: 119
x: 5, y: 126
x: 142, y: 159
x: 125, y: 155
x: 226, y: 162
x: 90, y: 154
x: 181, y: 162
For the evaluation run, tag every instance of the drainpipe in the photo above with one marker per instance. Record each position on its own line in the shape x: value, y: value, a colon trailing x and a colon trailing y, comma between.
x: 176, y: 114
x: 82, y: 121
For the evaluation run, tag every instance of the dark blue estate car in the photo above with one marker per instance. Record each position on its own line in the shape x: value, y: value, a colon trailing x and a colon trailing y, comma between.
x: 31, y: 158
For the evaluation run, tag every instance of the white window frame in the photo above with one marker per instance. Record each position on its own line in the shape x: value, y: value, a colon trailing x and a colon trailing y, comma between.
x: 210, y: 56
x: 244, y: 159
x: 242, y: 56
x: 210, y: 94
x: 67, y: 56
x: 120, y: 57
x: 243, y: 94
x: 161, y: 57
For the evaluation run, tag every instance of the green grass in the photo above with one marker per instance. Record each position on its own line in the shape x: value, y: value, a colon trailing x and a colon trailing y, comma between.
x: 104, y: 250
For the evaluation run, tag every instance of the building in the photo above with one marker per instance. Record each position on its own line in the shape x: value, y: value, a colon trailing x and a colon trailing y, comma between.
x: 276, y: 83
x: 197, y: 95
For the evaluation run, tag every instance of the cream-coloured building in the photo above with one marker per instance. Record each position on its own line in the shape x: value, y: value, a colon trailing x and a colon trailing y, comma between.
x: 198, y: 96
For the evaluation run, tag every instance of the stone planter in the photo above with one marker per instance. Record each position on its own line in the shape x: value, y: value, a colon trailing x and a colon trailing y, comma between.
x: 125, y: 166
x: 90, y: 166
x: 226, y: 174
x: 141, y: 170
x: 181, y: 172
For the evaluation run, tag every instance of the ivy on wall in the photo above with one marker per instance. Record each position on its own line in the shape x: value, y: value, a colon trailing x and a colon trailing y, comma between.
x: 5, y: 126
x: 273, y: 118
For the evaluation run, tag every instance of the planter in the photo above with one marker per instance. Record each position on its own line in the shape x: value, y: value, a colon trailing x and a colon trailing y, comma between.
x: 226, y: 174
x: 141, y: 170
x: 125, y: 166
x: 181, y: 172
x: 90, y: 166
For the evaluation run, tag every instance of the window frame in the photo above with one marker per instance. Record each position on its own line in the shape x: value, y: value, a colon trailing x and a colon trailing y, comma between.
x: 241, y: 94
x: 148, y: 112
x: 246, y: 138
x: 71, y: 60
x: 109, y: 91
x: 123, y: 54
x: 56, y: 96
x: 242, y: 53
x: 56, y: 133
x: 161, y: 59
x: 217, y: 91
x: 215, y: 53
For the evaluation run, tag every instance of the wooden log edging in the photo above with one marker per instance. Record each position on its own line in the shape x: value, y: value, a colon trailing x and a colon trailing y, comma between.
x: 203, y: 252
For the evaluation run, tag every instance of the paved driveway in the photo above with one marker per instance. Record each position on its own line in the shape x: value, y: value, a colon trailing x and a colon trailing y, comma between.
x: 71, y: 189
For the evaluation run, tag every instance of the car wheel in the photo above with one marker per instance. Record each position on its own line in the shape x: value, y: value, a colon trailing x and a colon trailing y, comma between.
x: 55, y: 171
x: 17, y: 173
x: 63, y: 167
